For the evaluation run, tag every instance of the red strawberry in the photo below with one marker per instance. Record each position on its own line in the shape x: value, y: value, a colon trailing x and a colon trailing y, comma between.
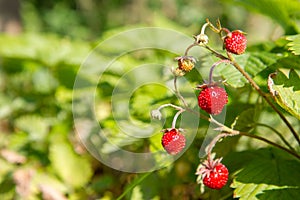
x: 212, y: 99
x: 217, y: 177
x: 212, y: 173
x: 235, y: 42
x: 173, y: 141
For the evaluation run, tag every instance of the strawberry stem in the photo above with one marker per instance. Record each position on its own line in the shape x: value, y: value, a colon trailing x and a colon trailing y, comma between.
x: 225, y: 30
x: 232, y: 61
x: 200, y: 39
x: 176, y: 117
x: 271, y: 143
x: 278, y: 134
x: 213, y: 67
x: 190, y: 47
x: 204, y: 27
x: 178, y: 93
x: 265, y: 96
x: 180, y: 110
x: 226, y: 131
x: 171, y: 105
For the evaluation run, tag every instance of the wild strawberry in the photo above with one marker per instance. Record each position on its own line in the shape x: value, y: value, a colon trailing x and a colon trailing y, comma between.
x: 235, y: 42
x: 173, y: 141
x: 212, y: 174
x: 212, y: 99
x: 217, y: 177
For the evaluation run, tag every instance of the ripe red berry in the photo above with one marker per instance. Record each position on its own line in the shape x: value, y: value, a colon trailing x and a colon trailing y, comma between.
x: 212, y: 99
x: 212, y: 173
x: 173, y: 141
x: 235, y: 42
x: 217, y: 177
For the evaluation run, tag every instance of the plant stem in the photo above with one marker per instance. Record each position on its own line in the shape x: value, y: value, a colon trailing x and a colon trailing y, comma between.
x: 271, y: 143
x: 169, y: 104
x: 230, y: 132
x: 178, y: 93
x: 213, y: 67
x: 264, y: 95
x: 176, y: 117
x: 217, y: 54
x: 215, y: 140
x: 139, y: 180
x: 189, y: 48
x: 278, y: 134
x: 257, y: 88
x: 203, y: 28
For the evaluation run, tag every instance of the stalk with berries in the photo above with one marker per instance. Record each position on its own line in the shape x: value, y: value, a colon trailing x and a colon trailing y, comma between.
x: 212, y: 101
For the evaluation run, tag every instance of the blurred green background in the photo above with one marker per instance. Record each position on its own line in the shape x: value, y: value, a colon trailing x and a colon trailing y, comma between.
x: 43, y: 44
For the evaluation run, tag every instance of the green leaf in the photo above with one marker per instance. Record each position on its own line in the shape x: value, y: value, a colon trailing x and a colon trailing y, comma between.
x: 268, y: 176
x: 258, y: 61
x: 134, y: 184
x: 43, y: 48
x: 7, y: 188
x: 252, y: 63
x: 73, y: 169
x: 280, y: 11
x: 285, y: 91
x: 294, y: 44
x: 288, y: 62
x: 232, y: 76
x: 144, y: 97
x: 43, y: 178
x: 34, y: 125
x: 43, y: 81
x: 245, y: 121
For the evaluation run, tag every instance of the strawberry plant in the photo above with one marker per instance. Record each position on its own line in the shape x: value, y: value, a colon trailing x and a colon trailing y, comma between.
x: 75, y: 99
x: 213, y: 98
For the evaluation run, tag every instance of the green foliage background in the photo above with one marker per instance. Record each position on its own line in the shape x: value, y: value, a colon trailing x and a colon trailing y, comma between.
x: 38, y: 145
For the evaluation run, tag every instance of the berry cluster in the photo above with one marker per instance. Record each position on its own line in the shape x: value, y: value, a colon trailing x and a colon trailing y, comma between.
x: 212, y: 99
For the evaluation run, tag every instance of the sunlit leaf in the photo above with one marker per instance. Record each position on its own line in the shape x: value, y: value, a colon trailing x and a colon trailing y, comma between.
x: 252, y: 63
x: 7, y: 188
x: 294, y: 44
x: 74, y: 170
x: 47, y: 49
x: 245, y: 121
x: 34, y: 125
x: 286, y: 91
x: 50, y: 180
x: 288, y: 62
x: 44, y: 81
x: 280, y: 11
x: 267, y: 176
